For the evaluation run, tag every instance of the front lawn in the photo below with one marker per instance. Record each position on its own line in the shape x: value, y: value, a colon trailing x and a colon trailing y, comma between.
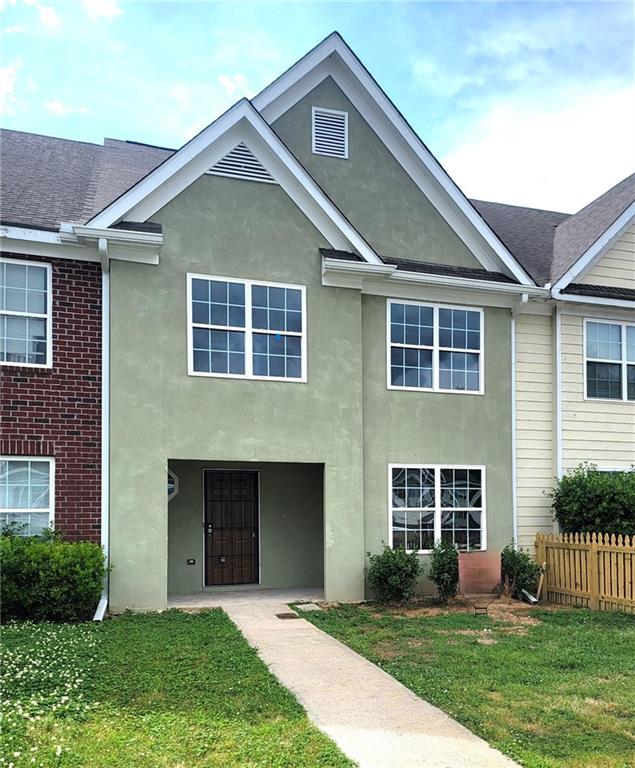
x: 550, y: 688
x: 172, y: 689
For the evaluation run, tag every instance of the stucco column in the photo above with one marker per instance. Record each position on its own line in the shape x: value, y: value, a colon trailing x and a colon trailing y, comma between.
x: 139, y: 534
x: 344, y: 531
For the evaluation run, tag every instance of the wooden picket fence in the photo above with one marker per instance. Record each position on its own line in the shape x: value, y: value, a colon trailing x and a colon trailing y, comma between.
x: 595, y: 570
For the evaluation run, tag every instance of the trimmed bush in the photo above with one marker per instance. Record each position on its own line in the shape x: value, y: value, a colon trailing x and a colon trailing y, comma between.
x: 519, y: 571
x: 588, y: 500
x: 444, y: 570
x: 393, y: 575
x: 47, y: 579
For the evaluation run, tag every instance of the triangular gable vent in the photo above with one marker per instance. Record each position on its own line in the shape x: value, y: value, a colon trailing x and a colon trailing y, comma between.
x: 241, y: 163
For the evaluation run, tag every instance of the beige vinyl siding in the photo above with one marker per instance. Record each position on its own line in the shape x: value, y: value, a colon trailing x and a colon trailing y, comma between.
x: 599, y: 431
x: 617, y: 266
x: 534, y: 426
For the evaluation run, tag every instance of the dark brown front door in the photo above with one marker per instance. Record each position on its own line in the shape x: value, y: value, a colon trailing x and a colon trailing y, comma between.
x: 231, y: 527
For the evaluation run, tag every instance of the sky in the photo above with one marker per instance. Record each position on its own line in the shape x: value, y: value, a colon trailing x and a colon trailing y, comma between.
x: 528, y: 103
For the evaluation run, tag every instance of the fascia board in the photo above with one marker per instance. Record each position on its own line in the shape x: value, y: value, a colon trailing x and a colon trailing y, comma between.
x: 335, y: 58
x: 332, y: 269
x: 595, y: 252
x: 34, y: 242
x: 596, y: 300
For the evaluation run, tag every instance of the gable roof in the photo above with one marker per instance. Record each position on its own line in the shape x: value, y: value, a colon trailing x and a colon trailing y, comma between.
x: 240, y: 124
x: 333, y: 58
x: 580, y: 238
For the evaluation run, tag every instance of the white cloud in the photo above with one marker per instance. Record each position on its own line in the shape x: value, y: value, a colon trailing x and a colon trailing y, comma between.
x: 559, y: 158
x: 8, y: 77
x: 15, y: 30
x: 49, y: 18
x: 55, y: 107
x: 441, y: 82
x: 236, y: 84
x: 101, y: 9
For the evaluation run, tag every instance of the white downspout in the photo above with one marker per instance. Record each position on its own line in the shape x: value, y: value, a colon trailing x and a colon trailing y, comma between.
x: 558, y: 403
x: 105, y: 421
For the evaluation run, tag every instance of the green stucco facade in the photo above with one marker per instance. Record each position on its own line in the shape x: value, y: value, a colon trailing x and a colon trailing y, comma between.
x: 322, y: 447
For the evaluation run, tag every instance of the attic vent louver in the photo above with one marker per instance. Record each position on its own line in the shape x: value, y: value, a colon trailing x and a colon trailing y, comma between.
x: 330, y: 132
x: 241, y: 163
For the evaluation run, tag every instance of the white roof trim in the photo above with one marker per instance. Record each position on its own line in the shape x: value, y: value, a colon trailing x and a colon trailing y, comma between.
x: 600, y: 300
x: 334, y: 58
x: 594, y: 253
x: 240, y: 123
x: 332, y: 268
x: 80, y: 243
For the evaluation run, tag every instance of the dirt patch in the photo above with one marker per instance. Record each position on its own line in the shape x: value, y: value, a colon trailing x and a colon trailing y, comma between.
x: 387, y: 649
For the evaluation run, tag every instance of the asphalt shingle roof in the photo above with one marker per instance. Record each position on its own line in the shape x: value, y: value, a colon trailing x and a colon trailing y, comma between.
x: 527, y: 232
x: 46, y: 180
x: 575, y: 235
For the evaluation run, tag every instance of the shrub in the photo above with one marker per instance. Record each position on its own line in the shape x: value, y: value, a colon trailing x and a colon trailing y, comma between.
x: 46, y: 579
x: 519, y: 571
x: 588, y: 500
x: 444, y: 569
x: 393, y: 574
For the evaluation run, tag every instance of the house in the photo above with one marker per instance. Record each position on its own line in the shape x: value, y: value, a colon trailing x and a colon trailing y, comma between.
x: 311, y: 342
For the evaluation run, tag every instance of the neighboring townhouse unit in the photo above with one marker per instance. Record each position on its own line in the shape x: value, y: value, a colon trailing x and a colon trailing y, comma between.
x: 50, y: 395
x: 575, y: 355
x: 313, y: 342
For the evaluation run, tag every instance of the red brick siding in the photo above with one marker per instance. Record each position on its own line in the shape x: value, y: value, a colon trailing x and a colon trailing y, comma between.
x: 57, y: 412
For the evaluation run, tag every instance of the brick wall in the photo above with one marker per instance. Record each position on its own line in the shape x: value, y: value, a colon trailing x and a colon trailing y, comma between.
x: 57, y: 412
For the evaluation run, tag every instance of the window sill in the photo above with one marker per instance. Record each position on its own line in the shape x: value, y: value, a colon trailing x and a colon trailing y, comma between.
x: 435, y: 391
x: 243, y: 377
x: 37, y: 366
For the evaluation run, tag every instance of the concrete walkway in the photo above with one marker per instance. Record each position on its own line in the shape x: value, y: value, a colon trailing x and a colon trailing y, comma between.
x: 374, y: 719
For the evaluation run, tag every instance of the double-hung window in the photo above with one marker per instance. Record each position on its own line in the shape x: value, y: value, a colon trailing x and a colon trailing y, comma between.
x: 246, y: 329
x: 609, y: 360
x: 435, y: 348
x: 25, y: 313
x: 430, y: 503
x: 26, y: 494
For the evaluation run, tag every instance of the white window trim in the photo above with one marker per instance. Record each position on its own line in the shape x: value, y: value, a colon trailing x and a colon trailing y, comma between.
x: 623, y: 361
x: 174, y: 477
x: 48, y: 316
x: 436, y: 349
x: 437, y: 500
x: 248, y: 330
x: 51, y: 507
x: 314, y: 149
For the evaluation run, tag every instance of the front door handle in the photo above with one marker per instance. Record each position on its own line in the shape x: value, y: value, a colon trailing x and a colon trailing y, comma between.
x: 209, y: 529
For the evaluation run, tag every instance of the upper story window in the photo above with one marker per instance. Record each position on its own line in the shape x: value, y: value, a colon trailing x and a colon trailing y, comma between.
x: 609, y: 360
x: 329, y: 132
x: 26, y: 494
x: 431, y: 503
x: 25, y: 313
x: 246, y: 329
x: 435, y: 348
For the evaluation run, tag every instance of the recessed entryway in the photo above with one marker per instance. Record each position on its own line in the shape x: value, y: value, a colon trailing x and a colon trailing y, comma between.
x: 245, y: 525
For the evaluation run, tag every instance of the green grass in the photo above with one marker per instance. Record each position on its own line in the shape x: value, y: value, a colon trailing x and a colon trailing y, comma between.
x: 560, y: 692
x: 139, y: 691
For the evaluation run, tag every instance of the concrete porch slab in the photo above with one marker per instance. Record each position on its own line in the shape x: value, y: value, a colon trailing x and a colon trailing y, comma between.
x: 221, y: 598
